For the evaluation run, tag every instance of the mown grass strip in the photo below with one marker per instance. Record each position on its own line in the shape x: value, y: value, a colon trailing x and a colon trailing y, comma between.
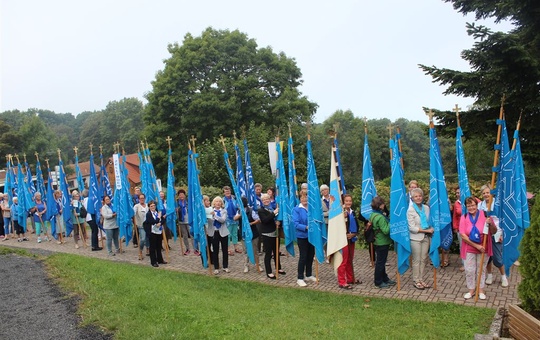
x: 137, y: 302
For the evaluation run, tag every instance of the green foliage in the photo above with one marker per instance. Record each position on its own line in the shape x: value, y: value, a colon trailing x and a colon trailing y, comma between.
x: 214, y: 83
x: 529, y: 288
x: 116, y: 296
x: 502, y: 64
x: 10, y: 140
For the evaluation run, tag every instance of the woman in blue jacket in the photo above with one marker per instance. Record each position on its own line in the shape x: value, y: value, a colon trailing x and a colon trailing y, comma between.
x: 307, y: 251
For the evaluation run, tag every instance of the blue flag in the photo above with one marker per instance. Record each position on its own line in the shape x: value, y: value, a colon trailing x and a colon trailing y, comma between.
x: 293, y: 186
x: 250, y: 182
x: 316, y: 225
x: 463, y: 178
x: 368, y: 182
x: 105, y: 184
x: 152, y: 181
x: 25, y: 196
x: 282, y: 199
x: 246, y: 228
x: 240, y: 178
x: 197, y: 214
x: 29, y: 180
x: 93, y: 205
x: 439, y: 217
x: 78, y: 173
x: 399, y: 227
x: 40, y: 184
x: 171, y: 201
x: 65, y: 203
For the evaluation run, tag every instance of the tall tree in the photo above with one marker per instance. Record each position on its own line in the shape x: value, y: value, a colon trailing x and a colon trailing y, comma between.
x: 122, y: 121
x: 501, y: 64
x: 214, y: 83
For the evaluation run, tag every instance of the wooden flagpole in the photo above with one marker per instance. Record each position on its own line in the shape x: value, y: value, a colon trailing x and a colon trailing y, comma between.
x: 208, y: 255
x: 82, y: 233
x: 390, y: 129
x: 493, y: 177
x: 371, y: 246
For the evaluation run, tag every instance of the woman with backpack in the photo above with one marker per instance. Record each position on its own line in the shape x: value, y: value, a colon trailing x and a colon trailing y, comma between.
x: 473, y: 243
x: 381, y: 228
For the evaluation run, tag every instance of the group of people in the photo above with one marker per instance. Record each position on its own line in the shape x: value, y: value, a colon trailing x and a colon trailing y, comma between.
x: 223, y: 230
x: 479, y: 236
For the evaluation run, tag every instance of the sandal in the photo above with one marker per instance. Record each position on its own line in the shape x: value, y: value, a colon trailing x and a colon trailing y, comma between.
x: 425, y: 284
x: 345, y: 287
x: 419, y: 285
x: 445, y: 264
x: 231, y: 253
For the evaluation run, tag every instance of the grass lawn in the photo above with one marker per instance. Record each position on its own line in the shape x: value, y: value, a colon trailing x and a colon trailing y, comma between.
x: 140, y: 302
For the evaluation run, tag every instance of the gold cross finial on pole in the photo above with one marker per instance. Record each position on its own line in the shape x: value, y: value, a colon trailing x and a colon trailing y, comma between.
x: 390, y: 129
x: 193, y: 140
x: 100, y: 149
x: 430, y: 115
x: 17, y: 157
x: 47, y: 162
x: 336, y: 127
x: 116, y: 147
x: 37, y: 155
x: 169, y: 139
x: 222, y: 140
x: 91, y: 148
x: 365, y: 124
x: 234, y: 135
x: 24, y: 157
x: 75, y: 149
x: 59, y: 152
x: 456, y: 109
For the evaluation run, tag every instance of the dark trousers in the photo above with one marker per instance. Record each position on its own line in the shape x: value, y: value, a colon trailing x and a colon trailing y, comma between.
x: 155, y: 248
x: 305, y: 261
x: 381, y: 253
x: 269, y: 244
x: 216, y: 241
x: 93, y: 226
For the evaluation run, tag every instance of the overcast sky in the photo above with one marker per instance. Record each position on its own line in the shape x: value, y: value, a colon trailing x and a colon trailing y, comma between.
x: 75, y: 56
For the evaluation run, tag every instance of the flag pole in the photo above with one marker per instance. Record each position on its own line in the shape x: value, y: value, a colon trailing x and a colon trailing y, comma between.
x: 190, y: 147
x: 43, y: 224
x: 308, y: 126
x: 431, y: 126
x: 133, y: 219
x: 293, y: 162
x: 101, y: 179
x: 493, y: 177
x: 390, y: 129
x: 371, y: 247
x: 82, y: 234
x: 276, y: 253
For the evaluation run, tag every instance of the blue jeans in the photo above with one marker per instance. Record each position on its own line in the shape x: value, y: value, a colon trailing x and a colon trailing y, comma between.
x: 7, y: 221
x: 112, y: 235
x: 143, y: 240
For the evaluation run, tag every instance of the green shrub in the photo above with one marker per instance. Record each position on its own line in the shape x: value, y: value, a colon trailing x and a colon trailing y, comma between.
x: 529, y: 288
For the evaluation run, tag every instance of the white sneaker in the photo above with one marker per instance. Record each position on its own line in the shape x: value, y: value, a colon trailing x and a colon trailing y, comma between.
x: 39, y: 240
x: 489, y: 279
x: 261, y: 269
x: 216, y: 272
x: 311, y: 279
x: 246, y: 269
x: 301, y: 283
x: 226, y: 270
x: 482, y: 296
x: 504, y: 281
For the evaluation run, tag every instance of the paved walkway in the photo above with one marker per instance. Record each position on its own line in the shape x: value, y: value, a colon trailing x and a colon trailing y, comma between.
x: 450, y: 281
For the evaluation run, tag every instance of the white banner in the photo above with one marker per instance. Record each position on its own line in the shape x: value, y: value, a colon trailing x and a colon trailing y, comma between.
x: 117, y: 174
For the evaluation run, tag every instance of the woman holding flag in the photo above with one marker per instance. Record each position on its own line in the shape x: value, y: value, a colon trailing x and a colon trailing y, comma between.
x: 220, y: 235
x: 345, y: 271
x: 153, y: 226
x: 110, y: 225
x: 473, y: 245
x: 38, y: 211
x: 267, y: 215
x: 419, y: 231
x: 307, y: 251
